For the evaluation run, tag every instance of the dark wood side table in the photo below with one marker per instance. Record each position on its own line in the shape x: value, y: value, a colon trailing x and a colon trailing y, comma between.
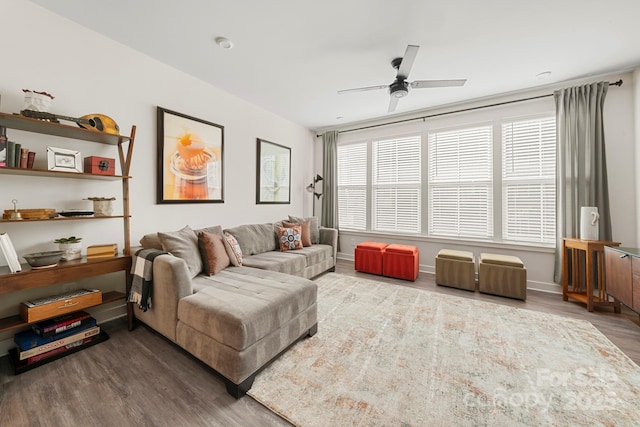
x: 583, y: 272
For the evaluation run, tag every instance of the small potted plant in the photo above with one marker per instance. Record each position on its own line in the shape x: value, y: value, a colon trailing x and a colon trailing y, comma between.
x: 70, y: 246
x: 102, y: 206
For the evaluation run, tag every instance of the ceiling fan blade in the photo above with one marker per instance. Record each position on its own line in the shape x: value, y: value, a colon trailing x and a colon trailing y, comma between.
x: 363, y: 89
x: 407, y: 60
x: 418, y: 84
x: 392, y: 104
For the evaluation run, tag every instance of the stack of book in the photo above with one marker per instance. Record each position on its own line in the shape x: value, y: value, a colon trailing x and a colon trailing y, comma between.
x: 102, y: 251
x: 54, y: 338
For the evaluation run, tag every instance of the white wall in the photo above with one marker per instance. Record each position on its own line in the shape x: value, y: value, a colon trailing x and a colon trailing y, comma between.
x: 621, y: 165
x: 88, y: 73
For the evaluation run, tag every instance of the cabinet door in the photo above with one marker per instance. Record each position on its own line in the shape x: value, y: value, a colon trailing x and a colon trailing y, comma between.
x: 635, y: 266
x: 618, y: 275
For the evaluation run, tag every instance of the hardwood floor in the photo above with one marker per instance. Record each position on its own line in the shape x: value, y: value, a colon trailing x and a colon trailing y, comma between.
x: 139, y: 379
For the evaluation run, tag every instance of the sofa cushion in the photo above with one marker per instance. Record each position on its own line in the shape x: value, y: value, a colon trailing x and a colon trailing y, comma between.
x: 290, y: 238
x: 242, y: 305
x: 305, y: 231
x: 213, y: 253
x: 289, y: 262
x: 315, y: 254
x: 183, y: 244
x: 233, y: 249
x: 314, y: 227
x: 254, y: 238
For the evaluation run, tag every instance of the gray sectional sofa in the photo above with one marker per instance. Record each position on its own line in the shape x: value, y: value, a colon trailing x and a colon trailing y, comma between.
x: 242, y: 317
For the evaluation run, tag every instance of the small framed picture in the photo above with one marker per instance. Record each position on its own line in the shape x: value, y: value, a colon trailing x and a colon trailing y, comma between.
x: 63, y: 160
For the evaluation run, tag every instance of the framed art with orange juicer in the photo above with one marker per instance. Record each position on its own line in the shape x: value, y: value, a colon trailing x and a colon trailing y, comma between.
x: 190, y: 159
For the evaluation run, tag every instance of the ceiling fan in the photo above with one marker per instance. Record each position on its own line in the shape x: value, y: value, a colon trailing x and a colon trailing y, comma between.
x: 399, y: 88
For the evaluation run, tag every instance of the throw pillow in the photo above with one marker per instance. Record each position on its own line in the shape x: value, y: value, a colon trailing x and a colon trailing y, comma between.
x: 290, y: 238
x: 213, y: 253
x: 233, y: 249
x: 183, y: 244
x: 305, y: 233
x: 313, y: 226
x: 151, y: 241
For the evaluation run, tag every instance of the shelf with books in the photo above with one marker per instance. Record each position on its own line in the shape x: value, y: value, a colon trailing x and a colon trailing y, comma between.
x: 60, y: 174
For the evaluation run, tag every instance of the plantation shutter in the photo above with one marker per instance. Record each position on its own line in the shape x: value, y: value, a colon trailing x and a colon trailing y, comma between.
x: 528, y: 180
x: 352, y: 186
x: 460, y: 183
x: 396, y: 184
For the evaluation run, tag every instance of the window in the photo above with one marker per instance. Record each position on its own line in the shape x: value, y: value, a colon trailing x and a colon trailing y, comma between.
x: 460, y: 183
x: 396, y: 185
x: 352, y: 186
x: 489, y: 181
x: 528, y: 180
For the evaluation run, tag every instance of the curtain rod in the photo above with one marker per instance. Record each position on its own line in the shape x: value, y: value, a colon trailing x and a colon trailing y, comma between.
x: 618, y: 83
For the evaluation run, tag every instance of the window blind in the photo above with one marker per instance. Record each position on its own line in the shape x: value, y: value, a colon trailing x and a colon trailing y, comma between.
x: 460, y: 182
x: 352, y: 186
x: 528, y: 180
x: 396, y: 187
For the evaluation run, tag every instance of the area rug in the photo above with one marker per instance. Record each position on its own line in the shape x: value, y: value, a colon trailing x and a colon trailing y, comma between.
x: 390, y: 355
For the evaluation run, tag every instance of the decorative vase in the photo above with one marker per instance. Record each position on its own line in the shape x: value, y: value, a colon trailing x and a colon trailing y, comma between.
x: 589, y: 219
x: 102, y: 207
x: 70, y: 250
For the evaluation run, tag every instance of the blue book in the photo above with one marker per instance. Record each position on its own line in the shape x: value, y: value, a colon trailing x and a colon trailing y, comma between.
x: 28, y: 339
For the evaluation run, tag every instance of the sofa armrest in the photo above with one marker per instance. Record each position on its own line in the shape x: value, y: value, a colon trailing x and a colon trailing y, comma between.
x: 329, y: 236
x: 171, y: 283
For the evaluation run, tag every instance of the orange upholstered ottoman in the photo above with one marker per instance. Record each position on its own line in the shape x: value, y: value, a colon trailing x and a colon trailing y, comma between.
x: 401, y: 261
x: 369, y: 257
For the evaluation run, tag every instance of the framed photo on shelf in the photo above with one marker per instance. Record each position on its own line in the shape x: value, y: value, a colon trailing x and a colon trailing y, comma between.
x: 190, y: 159
x: 63, y: 160
x: 273, y: 173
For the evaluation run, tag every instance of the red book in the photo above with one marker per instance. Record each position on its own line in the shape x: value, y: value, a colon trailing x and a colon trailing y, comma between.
x: 30, y: 158
x: 59, y: 324
x: 24, y: 156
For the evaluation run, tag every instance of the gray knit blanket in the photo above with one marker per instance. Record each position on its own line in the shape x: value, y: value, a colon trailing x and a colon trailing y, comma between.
x: 141, y: 290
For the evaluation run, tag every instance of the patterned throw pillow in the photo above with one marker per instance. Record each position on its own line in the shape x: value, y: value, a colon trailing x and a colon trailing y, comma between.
x: 233, y: 249
x: 305, y: 233
x: 214, y: 254
x: 290, y: 238
x: 313, y: 226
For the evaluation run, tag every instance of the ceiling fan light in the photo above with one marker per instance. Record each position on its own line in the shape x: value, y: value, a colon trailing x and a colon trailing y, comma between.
x: 400, y: 93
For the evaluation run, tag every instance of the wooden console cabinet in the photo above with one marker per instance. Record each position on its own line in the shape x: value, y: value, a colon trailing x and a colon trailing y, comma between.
x: 623, y: 275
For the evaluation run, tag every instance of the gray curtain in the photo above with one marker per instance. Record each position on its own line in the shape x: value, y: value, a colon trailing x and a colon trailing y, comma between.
x: 582, y: 164
x: 330, y: 179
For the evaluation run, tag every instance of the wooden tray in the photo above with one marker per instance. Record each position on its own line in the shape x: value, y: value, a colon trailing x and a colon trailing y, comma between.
x: 43, y: 213
x: 34, y: 311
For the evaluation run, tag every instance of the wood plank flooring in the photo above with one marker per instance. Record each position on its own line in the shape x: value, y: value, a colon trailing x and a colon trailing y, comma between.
x: 139, y: 379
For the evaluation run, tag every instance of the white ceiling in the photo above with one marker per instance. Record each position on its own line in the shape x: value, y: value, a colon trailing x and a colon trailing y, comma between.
x: 292, y: 56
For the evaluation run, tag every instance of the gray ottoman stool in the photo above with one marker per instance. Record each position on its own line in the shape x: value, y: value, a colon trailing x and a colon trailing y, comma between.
x: 502, y: 275
x: 456, y: 269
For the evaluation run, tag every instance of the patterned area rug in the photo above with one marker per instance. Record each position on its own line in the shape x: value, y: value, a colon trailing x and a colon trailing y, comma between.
x: 388, y: 355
